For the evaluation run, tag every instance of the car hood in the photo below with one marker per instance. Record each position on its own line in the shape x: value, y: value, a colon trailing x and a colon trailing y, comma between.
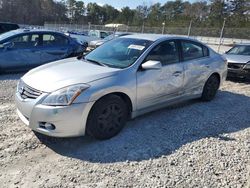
x: 237, y: 58
x: 59, y: 74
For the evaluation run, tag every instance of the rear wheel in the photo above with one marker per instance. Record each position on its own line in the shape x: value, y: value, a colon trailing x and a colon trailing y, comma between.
x: 107, y: 117
x: 210, y: 88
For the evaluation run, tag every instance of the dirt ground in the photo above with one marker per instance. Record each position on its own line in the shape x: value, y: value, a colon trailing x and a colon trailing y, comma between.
x: 192, y: 144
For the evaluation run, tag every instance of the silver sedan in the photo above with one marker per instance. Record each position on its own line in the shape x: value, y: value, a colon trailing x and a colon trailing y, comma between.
x: 122, y: 79
x: 238, y: 58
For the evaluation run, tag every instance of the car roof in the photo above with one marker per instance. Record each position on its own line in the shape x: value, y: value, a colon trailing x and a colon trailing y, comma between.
x: 19, y: 31
x: 13, y: 33
x: 155, y: 37
x: 242, y: 44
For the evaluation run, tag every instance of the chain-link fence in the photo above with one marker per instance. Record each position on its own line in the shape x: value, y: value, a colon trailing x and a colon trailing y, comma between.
x: 213, y: 36
x: 237, y: 33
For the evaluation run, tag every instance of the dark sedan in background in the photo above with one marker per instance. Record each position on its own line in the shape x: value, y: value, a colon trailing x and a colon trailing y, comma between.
x: 5, y: 27
x: 22, y: 50
x: 238, y: 59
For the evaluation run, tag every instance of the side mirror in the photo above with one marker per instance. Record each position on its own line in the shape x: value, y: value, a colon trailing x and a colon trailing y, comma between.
x: 151, y: 65
x: 7, y: 45
x: 82, y: 55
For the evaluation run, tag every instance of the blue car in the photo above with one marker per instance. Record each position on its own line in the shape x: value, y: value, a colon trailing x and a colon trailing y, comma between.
x: 21, y: 50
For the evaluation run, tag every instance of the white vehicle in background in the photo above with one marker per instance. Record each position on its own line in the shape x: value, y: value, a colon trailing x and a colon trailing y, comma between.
x: 99, y: 34
x: 95, y: 43
x: 85, y: 40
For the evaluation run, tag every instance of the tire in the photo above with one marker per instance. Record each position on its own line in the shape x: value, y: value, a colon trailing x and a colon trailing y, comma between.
x: 107, y: 117
x: 210, y: 88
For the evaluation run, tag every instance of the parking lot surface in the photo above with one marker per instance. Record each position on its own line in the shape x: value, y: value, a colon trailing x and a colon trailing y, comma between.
x: 192, y: 144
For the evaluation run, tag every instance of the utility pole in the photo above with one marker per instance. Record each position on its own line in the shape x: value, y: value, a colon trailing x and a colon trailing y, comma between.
x: 221, y: 34
x: 190, y: 26
x: 142, y: 30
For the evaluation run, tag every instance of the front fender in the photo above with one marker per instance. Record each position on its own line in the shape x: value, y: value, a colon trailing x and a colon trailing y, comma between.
x: 108, y: 85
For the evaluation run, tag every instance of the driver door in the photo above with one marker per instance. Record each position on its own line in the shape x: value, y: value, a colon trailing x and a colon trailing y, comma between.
x: 21, y: 53
x: 160, y: 85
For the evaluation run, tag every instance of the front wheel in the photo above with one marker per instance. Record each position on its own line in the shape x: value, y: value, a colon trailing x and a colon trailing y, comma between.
x: 210, y: 88
x: 107, y: 117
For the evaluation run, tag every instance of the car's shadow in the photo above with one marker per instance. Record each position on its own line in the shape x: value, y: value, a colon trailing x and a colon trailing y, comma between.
x: 11, y: 76
x: 162, y: 132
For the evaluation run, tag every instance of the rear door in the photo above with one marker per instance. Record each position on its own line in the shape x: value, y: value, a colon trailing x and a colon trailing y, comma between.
x: 196, y: 62
x: 158, y: 86
x: 22, y: 54
x: 54, y: 47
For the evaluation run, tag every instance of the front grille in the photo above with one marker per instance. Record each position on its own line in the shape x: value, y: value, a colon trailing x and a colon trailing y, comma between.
x: 235, y: 65
x: 28, y: 92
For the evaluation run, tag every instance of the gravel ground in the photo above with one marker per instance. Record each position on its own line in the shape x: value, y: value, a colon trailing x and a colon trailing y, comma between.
x: 192, y: 144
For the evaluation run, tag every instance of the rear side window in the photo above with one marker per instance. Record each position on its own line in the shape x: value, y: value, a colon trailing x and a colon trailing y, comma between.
x: 192, y: 50
x: 54, y: 40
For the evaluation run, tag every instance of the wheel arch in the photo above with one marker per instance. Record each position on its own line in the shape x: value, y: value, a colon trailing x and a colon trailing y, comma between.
x: 217, y: 75
x: 213, y: 73
x: 123, y: 96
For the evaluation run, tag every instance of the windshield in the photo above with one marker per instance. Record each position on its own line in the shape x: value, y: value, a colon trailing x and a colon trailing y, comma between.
x: 240, y: 50
x: 119, y: 53
x: 8, y: 34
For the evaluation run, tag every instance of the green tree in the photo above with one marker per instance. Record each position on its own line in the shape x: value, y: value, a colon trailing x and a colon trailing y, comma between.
x: 126, y: 16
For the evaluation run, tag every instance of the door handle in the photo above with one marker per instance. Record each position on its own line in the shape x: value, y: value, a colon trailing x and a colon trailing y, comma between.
x: 207, y: 66
x: 177, y: 73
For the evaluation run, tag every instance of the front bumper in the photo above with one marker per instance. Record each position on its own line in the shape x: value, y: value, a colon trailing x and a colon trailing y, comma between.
x: 243, y: 73
x: 69, y: 121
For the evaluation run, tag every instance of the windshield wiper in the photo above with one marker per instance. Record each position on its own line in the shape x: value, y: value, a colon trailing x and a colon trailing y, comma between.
x: 96, y: 62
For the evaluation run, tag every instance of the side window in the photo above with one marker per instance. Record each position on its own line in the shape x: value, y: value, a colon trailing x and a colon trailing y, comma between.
x: 20, y: 39
x: 54, y: 40
x: 1, y: 29
x: 205, y: 51
x: 25, y: 41
x: 93, y: 33
x: 103, y: 35
x: 165, y: 52
x: 191, y: 50
x: 35, y: 40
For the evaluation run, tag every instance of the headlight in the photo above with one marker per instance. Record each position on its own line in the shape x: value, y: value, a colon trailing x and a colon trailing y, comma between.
x: 247, y: 66
x: 20, y: 85
x: 65, y: 96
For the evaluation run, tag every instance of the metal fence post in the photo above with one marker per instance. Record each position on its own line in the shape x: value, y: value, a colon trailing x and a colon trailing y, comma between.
x: 89, y: 26
x: 221, y: 34
x: 189, y: 28
x: 163, y: 27
x: 142, y: 30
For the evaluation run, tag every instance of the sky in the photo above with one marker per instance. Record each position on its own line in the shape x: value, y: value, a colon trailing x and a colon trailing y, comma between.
x: 130, y: 3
